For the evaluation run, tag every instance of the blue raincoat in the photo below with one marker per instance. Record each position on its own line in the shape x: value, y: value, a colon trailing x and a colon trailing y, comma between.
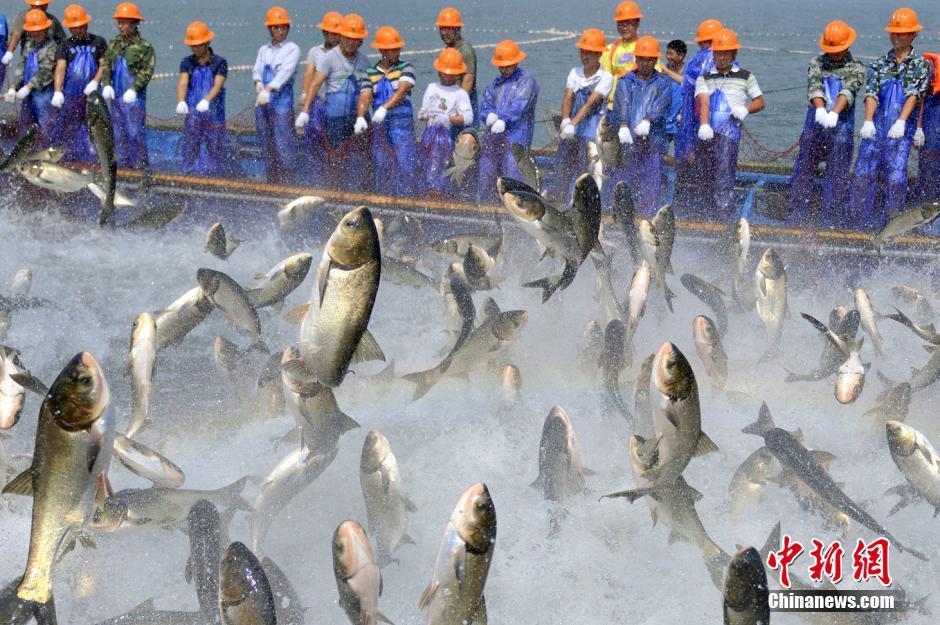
x: 701, y: 62
x: 635, y: 100
x: 129, y: 120
x: 881, y: 165
x: 37, y: 107
x: 928, y: 165
x: 830, y: 145
x: 275, y: 126
x: 571, y: 156
x: 513, y: 100
x: 71, y: 129
x: 4, y: 36
x: 715, y: 163
x: 203, y: 145
x: 436, y: 149
x: 394, y: 150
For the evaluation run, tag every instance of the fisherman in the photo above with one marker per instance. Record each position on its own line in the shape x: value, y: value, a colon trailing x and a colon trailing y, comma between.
x: 618, y: 58
x: 124, y: 75
x: 445, y: 106
x: 675, y: 63
x: 338, y: 73
x: 34, y: 79
x: 586, y: 91
x: 273, y: 74
x: 927, y: 139
x: 509, y: 112
x: 77, y: 61
x: 16, y: 32
x: 449, y: 24
x: 386, y: 86
x: 834, y: 81
x: 641, y: 108
x: 688, y: 171
x: 200, y: 93
x: 725, y: 96
x: 314, y: 140
x: 895, y: 83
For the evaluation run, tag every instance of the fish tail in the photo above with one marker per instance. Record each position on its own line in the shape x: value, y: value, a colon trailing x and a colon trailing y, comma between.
x: 764, y: 423
x: 548, y: 285
x: 423, y: 380
x: 231, y: 495
x: 669, y: 295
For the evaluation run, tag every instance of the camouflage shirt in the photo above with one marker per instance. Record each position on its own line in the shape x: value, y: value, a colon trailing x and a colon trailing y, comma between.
x: 139, y: 55
x: 45, y: 52
x: 913, y: 72
x: 848, y: 70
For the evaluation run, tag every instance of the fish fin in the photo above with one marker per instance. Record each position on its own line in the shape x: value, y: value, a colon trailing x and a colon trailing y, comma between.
x: 423, y: 380
x: 885, y: 380
x: 409, y: 505
x: 772, y: 542
x: 929, y: 348
x: 323, y: 278
x: 368, y: 349
x: 704, y: 446
x: 824, y: 458
x: 548, y: 285
x: 22, y: 484
x: 669, y: 295
x: 798, y: 435
x: 188, y: 569
x: 479, y: 616
x: 631, y: 495
x: 816, y: 323
x: 406, y: 540
x: 537, y: 484
x: 30, y: 382
x: 295, y: 368
x: 347, y: 423
x: 694, y: 493
x: 231, y: 494
x: 428, y: 594
x: 654, y: 516
x: 146, y: 606
x: 381, y: 617
x: 675, y: 536
x: 259, y: 276
x: 296, y: 314
x: 764, y: 423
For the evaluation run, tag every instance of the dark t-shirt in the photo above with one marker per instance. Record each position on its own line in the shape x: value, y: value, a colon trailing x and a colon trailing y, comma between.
x: 68, y: 48
x: 217, y: 65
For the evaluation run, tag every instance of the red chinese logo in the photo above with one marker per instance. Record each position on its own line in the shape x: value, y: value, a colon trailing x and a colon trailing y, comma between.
x: 826, y: 562
x: 784, y: 558
x: 871, y: 561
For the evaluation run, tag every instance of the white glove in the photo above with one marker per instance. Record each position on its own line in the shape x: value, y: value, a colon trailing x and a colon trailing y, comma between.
x: 897, y: 129
x: 831, y: 120
x: 498, y: 127
x: 202, y: 106
x: 23, y: 92
x: 867, y: 131
x: 567, y: 129
x: 91, y: 87
x: 705, y: 132
x: 108, y: 93
x: 739, y: 113
x: 259, y: 87
x: 919, y: 138
x: 624, y: 135
x: 129, y: 97
x: 379, y: 116
x: 10, y: 96
x: 821, y: 116
x: 491, y: 119
x: 58, y: 99
x: 642, y: 129
x: 302, y: 120
x: 360, y: 126
x: 264, y: 96
x: 182, y: 109
x: 7, y: 57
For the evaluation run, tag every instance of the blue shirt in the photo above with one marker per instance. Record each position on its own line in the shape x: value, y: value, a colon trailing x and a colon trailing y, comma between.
x: 217, y: 64
x: 513, y: 101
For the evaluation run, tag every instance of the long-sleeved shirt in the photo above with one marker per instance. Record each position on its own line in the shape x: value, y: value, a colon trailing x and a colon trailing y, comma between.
x: 848, y: 70
x: 513, y: 101
x: 283, y: 59
x: 56, y: 30
x: 913, y: 72
x: 637, y: 99
x: 139, y: 56
x: 46, y: 56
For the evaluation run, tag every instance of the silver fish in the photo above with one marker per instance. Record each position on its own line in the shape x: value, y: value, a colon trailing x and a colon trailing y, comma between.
x: 918, y: 461
x: 230, y: 298
x: 245, y: 596
x: 219, y: 243
x: 387, y: 505
x: 358, y: 579
x: 141, y: 361
x: 561, y: 474
x: 746, y: 596
x: 906, y: 221
x: 464, y: 156
x: 180, y: 317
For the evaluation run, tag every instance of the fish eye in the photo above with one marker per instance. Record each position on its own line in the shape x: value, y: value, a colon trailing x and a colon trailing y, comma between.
x: 84, y: 380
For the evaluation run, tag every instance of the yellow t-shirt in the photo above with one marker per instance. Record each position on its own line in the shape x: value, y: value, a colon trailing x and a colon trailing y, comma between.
x: 618, y: 59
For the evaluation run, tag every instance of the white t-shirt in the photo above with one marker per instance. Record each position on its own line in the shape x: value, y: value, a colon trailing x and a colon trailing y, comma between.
x: 314, y: 55
x: 601, y: 82
x: 440, y: 102
x: 739, y: 86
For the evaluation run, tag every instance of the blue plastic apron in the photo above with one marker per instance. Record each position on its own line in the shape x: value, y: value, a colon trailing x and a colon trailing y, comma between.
x: 927, y: 188
x: 717, y: 161
x: 4, y: 35
x: 571, y: 156
x: 37, y: 107
x: 71, y: 130
x: 129, y: 120
x: 203, y: 130
x: 275, y: 126
x: 436, y: 149
x: 394, y: 150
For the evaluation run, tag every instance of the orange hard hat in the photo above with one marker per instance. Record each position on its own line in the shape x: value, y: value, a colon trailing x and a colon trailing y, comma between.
x: 332, y: 22
x: 36, y: 20
x: 707, y: 30
x: 837, y: 37
x: 277, y: 16
x: 127, y: 11
x: 197, y: 34
x: 387, y: 38
x: 592, y: 40
x: 646, y: 46
x: 449, y: 17
x: 38, y: 3
x: 507, y: 53
x: 450, y: 62
x: 627, y: 11
x: 725, y: 40
x: 903, y: 21
x: 75, y: 16
x: 353, y: 27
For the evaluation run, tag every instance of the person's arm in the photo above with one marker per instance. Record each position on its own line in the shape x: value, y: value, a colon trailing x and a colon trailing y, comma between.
x: 871, y: 94
x: 464, y: 114
x: 256, y: 71
x: 908, y: 107
x: 318, y: 79
x: 754, y: 93
x: 16, y: 32
x: 143, y: 65
x: 814, y: 84
x: 285, y: 69
x: 488, y: 104
x: 46, y: 72
x: 220, y: 77
x: 469, y: 78
x: 566, y: 103
x: 181, y: 86
x: 702, y: 97
x: 406, y: 83
x: 517, y: 107
x: 59, y: 79
x: 466, y: 82
x: 755, y: 105
x: 852, y: 83
x: 676, y: 76
x: 593, y: 101
x: 658, y: 108
x: 308, y: 78
x: 365, y: 101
